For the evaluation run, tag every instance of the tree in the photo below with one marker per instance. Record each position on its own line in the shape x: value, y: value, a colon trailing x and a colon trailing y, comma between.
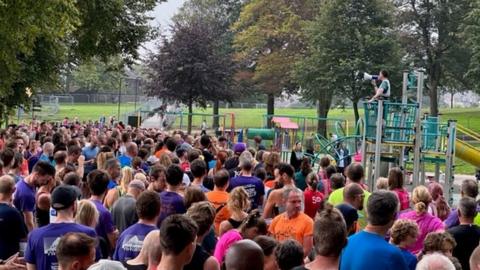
x: 346, y: 37
x: 188, y: 68
x: 219, y: 15
x: 95, y: 75
x: 269, y: 40
x: 431, y: 33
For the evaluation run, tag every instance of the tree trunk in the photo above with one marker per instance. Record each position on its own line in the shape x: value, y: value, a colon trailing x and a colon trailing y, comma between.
x: 433, y: 93
x: 189, y: 121
x: 451, y: 99
x: 270, y: 109
x: 355, y: 110
x: 216, y: 120
x: 322, y: 112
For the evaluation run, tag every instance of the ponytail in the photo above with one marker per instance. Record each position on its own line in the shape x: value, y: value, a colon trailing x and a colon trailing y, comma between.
x: 420, y: 207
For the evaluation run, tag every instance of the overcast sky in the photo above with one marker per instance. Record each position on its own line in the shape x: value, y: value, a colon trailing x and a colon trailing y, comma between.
x: 162, y: 17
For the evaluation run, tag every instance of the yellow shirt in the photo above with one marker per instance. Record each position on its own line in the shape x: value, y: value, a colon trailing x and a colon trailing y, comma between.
x: 336, y: 198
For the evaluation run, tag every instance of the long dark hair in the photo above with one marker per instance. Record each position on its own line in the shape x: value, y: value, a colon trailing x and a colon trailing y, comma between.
x: 305, y: 166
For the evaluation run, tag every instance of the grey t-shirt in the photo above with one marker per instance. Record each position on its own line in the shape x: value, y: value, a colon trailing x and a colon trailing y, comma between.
x: 385, y: 85
x: 124, y: 213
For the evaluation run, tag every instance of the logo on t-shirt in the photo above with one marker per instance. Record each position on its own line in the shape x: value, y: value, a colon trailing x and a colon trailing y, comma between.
x: 132, y: 243
x: 50, y: 245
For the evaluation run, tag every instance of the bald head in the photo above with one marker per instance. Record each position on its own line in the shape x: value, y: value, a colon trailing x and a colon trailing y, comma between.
x: 475, y: 259
x: 435, y: 261
x: 132, y: 149
x: 150, y: 253
x: 351, y: 191
x: 244, y: 255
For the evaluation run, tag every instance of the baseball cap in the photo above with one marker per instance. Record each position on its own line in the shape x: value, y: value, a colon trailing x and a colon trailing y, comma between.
x: 63, y: 197
x: 348, y: 212
x: 239, y: 147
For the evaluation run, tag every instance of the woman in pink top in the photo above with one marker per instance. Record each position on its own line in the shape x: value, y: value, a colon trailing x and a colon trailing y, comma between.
x: 427, y: 223
x: 395, y: 184
x: 253, y: 226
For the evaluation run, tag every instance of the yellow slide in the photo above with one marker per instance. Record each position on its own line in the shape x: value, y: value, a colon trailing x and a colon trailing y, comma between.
x: 466, y: 151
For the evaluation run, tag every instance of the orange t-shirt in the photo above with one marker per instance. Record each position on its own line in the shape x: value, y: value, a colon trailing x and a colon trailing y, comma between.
x: 219, y: 199
x: 283, y: 228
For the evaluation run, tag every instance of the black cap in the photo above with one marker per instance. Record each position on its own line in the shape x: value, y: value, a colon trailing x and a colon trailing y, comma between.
x: 63, y: 197
x: 349, y: 213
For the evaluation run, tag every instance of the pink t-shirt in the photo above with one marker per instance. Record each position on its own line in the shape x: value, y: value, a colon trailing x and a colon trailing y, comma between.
x: 403, y: 198
x: 226, y: 240
x: 426, y: 224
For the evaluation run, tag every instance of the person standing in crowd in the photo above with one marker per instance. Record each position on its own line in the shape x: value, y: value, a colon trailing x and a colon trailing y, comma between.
x: 425, y: 221
x: 403, y: 234
x: 355, y: 174
x: 178, y: 239
x: 395, y: 184
x: 131, y: 151
x: 199, y: 169
x: 98, y: 184
x: 112, y: 167
x: 149, y: 256
x: 218, y: 197
x: 469, y: 188
x: 474, y: 261
x: 342, y: 157
x: 12, y: 225
x: 289, y: 254
x: 203, y: 214
x: 252, y: 184
x: 330, y: 237
x: 296, y: 156
x: 40, y: 252
x: 435, y: 261
x: 124, y: 211
x: 171, y: 200
x: 131, y: 240
x: 442, y: 243
x: 25, y: 190
x: 313, y: 198
x: 244, y: 255
x: 382, y: 209
x: 268, y: 245
x: 439, y: 206
x: 158, y: 176
x: 275, y: 201
x: 237, y: 205
x: 466, y: 234
x: 301, y: 175
x: 293, y: 223
x: 76, y: 251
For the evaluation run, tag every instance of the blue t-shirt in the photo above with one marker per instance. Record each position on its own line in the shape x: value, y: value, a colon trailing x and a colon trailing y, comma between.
x: 172, y: 203
x: 42, y: 243
x: 130, y: 241
x: 89, y: 152
x: 368, y: 251
x: 125, y: 161
x: 24, y: 197
x: 410, y: 259
x: 112, y: 184
x: 105, y: 221
x: 252, y: 185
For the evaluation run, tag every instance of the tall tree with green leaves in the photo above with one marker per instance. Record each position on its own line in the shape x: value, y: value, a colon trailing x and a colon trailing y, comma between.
x: 220, y: 15
x: 188, y: 67
x: 269, y: 40
x: 345, y: 38
x: 431, y: 32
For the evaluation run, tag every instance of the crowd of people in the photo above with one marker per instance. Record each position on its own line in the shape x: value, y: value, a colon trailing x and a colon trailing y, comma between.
x: 85, y: 196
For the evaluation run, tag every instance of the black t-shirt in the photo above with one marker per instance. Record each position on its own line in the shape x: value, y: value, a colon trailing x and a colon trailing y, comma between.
x: 135, y: 267
x: 200, y: 256
x: 467, y: 238
x: 12, y: 230
x: 207, y: 156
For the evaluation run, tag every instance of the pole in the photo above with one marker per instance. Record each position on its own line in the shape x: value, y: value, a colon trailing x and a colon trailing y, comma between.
x: 119, y: 98
x: 136, y: 94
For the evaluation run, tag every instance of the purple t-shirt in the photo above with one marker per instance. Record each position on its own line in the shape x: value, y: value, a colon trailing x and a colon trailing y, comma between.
x: 42, y: 243
x: 426, y: 224
x: 105, y: 221
x: 172, y: 203
x: 24, y: 197
x: 130, y: 241
x: 254, y: 187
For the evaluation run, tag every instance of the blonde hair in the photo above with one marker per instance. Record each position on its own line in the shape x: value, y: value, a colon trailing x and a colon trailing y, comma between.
x: 87, y: 214
x: 421, y: 198
x: 165, y: 160
x: 382, y: 183
x: 102, y: 159
x: 127, y: 177
x: 238, y: 200
x: 140, y: 176
x: 401, y: 229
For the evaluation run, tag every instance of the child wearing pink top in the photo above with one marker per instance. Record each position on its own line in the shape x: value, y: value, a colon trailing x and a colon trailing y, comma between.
x: 395, y: 184
x: 425, y: 221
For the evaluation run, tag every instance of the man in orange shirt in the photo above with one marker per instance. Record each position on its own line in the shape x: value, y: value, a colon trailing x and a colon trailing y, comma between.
x: 293, y: 223
x: 219, y: 197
